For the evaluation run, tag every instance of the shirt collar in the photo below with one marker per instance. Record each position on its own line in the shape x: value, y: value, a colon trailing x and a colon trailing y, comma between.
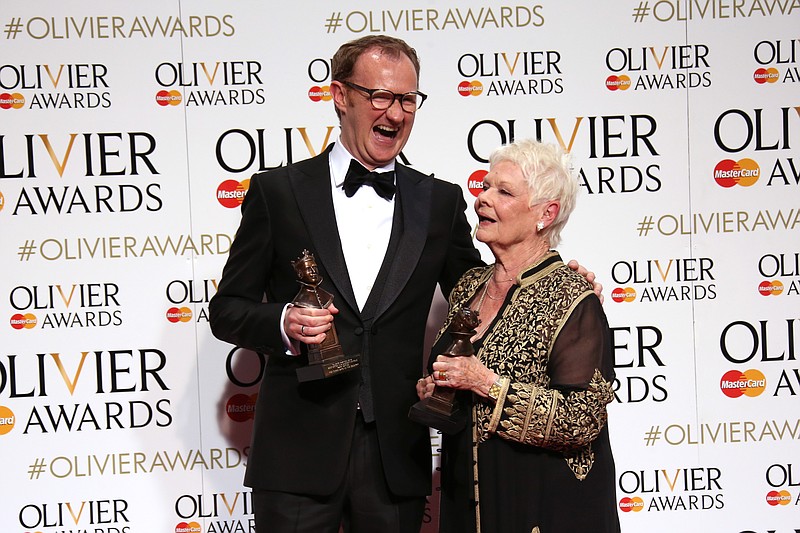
x: 339, y: 161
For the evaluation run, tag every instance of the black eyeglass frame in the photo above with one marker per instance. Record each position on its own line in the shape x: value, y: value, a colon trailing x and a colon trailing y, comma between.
x: 395, y: 96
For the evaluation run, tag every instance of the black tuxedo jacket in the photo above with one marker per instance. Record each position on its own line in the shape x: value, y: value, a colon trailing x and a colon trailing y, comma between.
x: 302, y: 431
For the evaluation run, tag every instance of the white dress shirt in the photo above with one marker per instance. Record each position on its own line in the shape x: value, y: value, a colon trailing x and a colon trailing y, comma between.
x: 364, y: 221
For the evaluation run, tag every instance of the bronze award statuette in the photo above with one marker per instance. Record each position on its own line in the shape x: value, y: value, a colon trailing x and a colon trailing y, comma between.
x: 326, y: 359
x: 441, y: 410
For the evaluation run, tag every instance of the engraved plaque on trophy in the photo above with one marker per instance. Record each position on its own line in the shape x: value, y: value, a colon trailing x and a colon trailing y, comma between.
x: 326, y: 359
x: 442, y: 410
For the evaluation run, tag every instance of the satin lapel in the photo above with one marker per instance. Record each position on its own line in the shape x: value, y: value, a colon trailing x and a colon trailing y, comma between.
x: 312, y: 189
x: 414, y: 193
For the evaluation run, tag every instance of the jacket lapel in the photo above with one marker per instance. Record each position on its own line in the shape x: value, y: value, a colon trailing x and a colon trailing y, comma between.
x: 414, y: 196
x: 312, y: 190
x: 311, y: 184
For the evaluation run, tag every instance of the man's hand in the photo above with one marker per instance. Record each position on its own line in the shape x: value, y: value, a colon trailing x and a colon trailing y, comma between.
x: 308, y: 325
x: 425, y: 387
x: 597, y: 287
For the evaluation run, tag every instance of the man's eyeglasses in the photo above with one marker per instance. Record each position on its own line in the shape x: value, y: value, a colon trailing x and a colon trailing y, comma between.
x: 382, y: 99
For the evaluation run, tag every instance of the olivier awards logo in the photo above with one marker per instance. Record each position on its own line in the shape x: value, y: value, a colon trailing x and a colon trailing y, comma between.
x: 778, y: 62
x: 74, y: 86
x: 208, y: 84
x: 658, y: 68
x: 509, y: 74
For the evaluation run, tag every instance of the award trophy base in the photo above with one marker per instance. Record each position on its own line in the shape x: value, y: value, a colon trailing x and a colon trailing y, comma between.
x: 439, y: 413
x: 327, y: 368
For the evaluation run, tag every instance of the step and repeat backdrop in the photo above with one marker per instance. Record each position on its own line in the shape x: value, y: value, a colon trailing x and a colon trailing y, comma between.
x: 128, y: 134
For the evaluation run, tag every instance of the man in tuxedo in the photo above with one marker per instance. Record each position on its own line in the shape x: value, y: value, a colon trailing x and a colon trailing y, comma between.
x: 342, y: 450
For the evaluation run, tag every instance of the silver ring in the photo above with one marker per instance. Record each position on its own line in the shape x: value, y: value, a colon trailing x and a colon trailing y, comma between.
x: 303, y: 330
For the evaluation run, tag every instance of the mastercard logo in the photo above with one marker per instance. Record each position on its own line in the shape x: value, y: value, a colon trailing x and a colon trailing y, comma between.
x: 165, y: 98
x: 231, y: 193
x: 635, y: 504
x: 766, y: 75
x: 770, y: 288
x: 744, y: 172
x: 618, y: 83
x: 779, y: 497
x: 320, y: 94
x: 188, y: 527
x: 475, y: 182
x: 241, y: 407
x: 2, y: 201
x: 11, y: 101
x: 26, y: 321
x: 628, y: 294
x: 182, y: 314
x: 748, y: 383
x: 7, y: 420
x: 470, y: 88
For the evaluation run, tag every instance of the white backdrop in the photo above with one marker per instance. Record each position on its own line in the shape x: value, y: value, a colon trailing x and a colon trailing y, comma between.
x: 128, y: 132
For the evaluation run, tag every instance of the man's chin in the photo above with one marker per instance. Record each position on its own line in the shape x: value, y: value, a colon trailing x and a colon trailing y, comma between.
x: 383, y: 155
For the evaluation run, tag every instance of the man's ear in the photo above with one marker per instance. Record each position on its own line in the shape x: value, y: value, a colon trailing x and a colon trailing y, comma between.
x: 339, y: 95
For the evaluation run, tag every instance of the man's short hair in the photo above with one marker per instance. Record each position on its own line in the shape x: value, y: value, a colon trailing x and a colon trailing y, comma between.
x: 345, y: 58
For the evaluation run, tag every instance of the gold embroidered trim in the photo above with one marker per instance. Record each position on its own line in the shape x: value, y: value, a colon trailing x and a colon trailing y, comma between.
x: 498, y: 406
x: 520, y: 350
x: 476, y: 486
x: 528, y: 414
x: 557, y: 397
x: 557, y: 332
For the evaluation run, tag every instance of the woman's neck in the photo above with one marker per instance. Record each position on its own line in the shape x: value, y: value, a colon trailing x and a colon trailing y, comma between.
x: 510, y: 263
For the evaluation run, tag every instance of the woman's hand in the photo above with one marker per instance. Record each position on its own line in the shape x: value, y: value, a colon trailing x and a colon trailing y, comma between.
x: 464, y: 373
x: 425, y: 387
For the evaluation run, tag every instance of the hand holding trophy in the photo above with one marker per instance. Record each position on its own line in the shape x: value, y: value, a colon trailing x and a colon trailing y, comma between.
x: 326, y: 359
x: 441, y: 410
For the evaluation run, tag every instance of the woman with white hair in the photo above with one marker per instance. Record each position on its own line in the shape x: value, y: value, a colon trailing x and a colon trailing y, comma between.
x: 536, y: 456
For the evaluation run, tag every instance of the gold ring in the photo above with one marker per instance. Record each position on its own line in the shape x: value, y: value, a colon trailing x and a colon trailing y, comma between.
x: 442, y: 375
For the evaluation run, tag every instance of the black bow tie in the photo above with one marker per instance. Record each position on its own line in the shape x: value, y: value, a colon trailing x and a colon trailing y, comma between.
x: 357, y: 175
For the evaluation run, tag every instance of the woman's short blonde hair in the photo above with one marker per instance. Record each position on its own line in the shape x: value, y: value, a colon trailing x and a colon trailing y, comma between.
x: 548, y: 173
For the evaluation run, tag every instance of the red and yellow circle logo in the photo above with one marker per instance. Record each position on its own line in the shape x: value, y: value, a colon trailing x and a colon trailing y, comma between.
x: 779, y: 497
x: 188, y: 527
x: 26, y: 321
x: 320, y: 93
x: 744, y: 172
x: 770, y: 288
x: 749, y: 383
x: 2, y: 201
x: 7, y: 420
x: 766, y: 75
x: 11, y: 101
x: 231, y: 193
x: 175, y: 314
x: 635, y: 504
x: 470, y: 88
x: 475, y: 182
x: 165, y: 98
x: 627, y: 294
x: 241, y: 407
x: 618, y: 83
